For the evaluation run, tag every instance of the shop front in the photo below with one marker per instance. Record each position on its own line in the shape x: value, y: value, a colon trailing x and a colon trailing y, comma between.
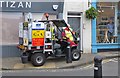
x: 105, y: 28
x: 13, y: 13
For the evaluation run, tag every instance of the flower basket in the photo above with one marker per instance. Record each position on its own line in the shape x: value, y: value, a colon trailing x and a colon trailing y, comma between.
x: 91, y: 13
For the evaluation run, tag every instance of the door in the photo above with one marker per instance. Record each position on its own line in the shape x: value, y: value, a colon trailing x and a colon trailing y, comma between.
x: 75, y: 23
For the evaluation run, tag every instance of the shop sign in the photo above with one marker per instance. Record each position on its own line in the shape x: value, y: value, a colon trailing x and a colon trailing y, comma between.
x: 29, y: 6
x: 13, y: 4
x: 55, y: 7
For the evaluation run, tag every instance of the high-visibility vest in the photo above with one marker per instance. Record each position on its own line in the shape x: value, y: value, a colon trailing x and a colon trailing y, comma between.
x: 69, y: 34
x: 52, y: 29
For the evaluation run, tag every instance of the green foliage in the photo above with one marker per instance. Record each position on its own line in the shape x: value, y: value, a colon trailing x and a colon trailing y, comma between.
x: 91, y: 13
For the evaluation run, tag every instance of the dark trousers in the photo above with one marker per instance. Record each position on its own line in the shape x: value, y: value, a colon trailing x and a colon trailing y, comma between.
x: 110, y: 36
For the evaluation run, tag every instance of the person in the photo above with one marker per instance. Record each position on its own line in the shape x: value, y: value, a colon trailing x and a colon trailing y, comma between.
x: 68, y: 33
x: 52, y: 29
x: 110, y: 28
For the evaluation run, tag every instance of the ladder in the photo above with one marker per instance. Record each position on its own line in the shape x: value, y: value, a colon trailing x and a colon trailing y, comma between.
x: 48, y: 42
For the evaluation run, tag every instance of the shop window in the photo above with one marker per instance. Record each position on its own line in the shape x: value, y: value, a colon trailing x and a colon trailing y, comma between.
x: 118, y: 18
x: 106, y: 31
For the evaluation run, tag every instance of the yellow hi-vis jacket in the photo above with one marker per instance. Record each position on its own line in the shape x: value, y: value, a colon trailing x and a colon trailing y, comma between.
x: 52, y: 32
x: 69, y: 34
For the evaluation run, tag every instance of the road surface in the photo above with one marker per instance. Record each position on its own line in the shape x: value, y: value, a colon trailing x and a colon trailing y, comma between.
x: 110, y: 68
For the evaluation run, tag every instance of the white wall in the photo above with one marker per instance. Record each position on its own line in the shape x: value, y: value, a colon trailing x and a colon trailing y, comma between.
x: 80, y: 6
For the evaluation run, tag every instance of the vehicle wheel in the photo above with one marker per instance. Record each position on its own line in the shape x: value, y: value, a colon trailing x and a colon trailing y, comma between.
x: 76, y: 54
x: 38, y: 59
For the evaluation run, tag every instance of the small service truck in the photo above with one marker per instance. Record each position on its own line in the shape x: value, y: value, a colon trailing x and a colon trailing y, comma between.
x: 39, y: 40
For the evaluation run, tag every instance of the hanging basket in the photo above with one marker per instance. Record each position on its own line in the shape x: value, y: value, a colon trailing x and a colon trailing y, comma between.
x: 91, y: 13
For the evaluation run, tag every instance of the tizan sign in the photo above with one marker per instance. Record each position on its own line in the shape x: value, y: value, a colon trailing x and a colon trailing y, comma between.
x: 13, y: 4
x: 29, y: 6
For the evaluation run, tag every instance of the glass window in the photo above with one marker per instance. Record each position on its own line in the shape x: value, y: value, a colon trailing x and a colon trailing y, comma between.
x: 106, y: 23
x: 119, y: 18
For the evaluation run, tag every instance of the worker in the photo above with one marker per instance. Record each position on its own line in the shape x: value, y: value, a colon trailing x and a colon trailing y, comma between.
x: 68, y: 33
x: 67, y: 36
x: 52, y: 29
x: 53, y: 33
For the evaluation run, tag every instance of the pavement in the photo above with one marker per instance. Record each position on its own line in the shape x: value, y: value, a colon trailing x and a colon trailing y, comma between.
x: 14, y: 63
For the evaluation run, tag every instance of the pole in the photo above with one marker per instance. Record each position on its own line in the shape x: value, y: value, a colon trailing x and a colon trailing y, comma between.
x: 98, y: 67
x: 68, y: 54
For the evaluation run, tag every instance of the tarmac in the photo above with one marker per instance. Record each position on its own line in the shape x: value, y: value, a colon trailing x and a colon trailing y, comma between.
x: 14, y: 63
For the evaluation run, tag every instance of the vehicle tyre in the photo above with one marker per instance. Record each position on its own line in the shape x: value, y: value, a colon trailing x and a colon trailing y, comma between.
x: 76, y: 54
x: 38, y: 59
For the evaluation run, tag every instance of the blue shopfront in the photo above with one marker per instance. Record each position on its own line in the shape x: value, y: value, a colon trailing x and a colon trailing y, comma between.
x: 100, y: 38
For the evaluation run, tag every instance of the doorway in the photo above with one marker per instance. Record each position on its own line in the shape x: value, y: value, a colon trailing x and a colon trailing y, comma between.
x: 75, y: 21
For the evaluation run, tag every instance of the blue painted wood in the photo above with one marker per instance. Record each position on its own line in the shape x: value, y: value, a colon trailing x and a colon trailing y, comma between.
x: 107, y: 45
x: 94, y: 49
